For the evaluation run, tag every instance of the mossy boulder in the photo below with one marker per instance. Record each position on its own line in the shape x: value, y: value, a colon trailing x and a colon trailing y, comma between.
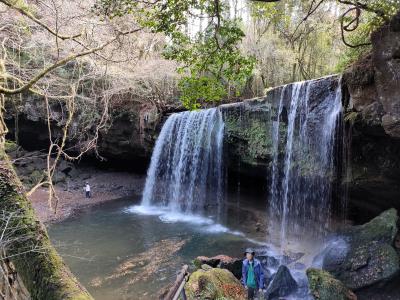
x: 59, y: 177
x: 233, y: 265
x: 10, y: 146
x: 323, y: 286
x: 368, y: 256
x: 214, y: 283
x: 383, y: 228
x: 35, y: 177
x: 368, y: 264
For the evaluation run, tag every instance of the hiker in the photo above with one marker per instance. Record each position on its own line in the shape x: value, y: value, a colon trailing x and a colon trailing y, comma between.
x: 252, y: 274
x: 87, y: 190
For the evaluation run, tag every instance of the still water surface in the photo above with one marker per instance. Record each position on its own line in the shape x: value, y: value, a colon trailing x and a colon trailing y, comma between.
x: 120, y: 251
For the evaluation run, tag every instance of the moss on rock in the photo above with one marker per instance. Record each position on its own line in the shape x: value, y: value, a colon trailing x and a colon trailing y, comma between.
x: 10, y: 146
x: 35, y: 177
x: 233, y: 265
x: 383, y: 228
x: 369, y: 255
x: 214, y: 283
x: 369, y: 264
x: 247, y: 130
x: 324, y: 286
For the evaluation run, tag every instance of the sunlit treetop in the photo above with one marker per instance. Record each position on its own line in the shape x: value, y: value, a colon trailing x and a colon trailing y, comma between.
x: 201, y: 36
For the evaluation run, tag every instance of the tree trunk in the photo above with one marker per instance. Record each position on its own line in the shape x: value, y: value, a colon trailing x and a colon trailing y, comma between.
x: 29, y: 249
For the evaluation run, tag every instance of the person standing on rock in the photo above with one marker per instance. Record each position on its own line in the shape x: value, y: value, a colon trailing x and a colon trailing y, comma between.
x: 252, y: 274
x: 87, y: 190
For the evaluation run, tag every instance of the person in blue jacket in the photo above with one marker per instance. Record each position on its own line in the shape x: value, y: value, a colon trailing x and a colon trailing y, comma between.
x: 252, y: 274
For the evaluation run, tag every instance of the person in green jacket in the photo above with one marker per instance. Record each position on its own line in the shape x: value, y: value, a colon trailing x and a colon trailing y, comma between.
x: 252, y: 274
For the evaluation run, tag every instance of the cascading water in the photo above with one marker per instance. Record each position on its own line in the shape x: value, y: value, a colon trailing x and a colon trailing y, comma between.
x: 275, y: 206
x: 185, y: 173
x: 302, y: 177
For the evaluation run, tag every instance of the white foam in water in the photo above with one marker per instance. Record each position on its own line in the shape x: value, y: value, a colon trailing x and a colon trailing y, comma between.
x: 217, y: 228
x: 168, y: 216
x: 145, y: 210
x: 173, y: 217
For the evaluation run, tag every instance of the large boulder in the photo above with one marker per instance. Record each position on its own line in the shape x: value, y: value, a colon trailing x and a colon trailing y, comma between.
x: 282, y: 284
x: 323, y: 286
x: 366, y: 255
x: 382, y: 228
x: 368, y: 264
x: 214, y: 283
x: 234, y: 265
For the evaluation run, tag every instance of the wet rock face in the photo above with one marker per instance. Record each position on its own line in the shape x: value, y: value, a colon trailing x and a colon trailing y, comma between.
x: 282, y: 284
x: 374, y: 81
x: 373, y: 84
x: 247, y: 140
x: 386, y: 57
x: 129, y: 138
x: 375, y: 171
x: 248, y: 137
x: 382, y: 228
x: 368, y: 257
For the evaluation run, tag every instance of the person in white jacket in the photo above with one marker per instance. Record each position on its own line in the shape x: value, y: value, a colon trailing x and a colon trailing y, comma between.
x: 87, y: 190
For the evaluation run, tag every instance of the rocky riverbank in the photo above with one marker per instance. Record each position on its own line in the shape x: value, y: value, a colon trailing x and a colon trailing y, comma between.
x: 69, y: 180
x: 361, y: 262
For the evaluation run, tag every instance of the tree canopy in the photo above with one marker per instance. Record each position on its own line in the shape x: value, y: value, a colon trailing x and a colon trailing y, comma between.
x: 224, y: 49
x: 224, y: 52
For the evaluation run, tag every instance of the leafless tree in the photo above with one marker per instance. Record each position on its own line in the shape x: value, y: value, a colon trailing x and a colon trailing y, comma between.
x: 75, y: 62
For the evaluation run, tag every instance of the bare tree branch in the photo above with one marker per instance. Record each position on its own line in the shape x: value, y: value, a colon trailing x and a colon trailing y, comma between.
x: 37, y: 21
x: 59, y: 63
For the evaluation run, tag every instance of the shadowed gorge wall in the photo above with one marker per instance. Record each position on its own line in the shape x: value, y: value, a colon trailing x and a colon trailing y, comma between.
x: 373, y: 114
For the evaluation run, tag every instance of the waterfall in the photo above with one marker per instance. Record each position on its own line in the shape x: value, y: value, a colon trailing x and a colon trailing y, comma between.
x: 275, y: 206
x: 185, y: 173
x: 302, y: 178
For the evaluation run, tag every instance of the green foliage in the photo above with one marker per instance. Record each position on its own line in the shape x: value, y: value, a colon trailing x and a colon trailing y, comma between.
x: 10, y: 146
x: 250, y: 134
x: 195, y: 89
x: 260, y: 143
x: 210, y: 58
x: 289, y: 48
x: 282, y: 43
x: 379, y: 12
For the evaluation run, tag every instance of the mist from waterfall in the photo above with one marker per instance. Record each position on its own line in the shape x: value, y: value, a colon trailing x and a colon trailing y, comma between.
x: 303, y: 166
x: 185, y: 173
